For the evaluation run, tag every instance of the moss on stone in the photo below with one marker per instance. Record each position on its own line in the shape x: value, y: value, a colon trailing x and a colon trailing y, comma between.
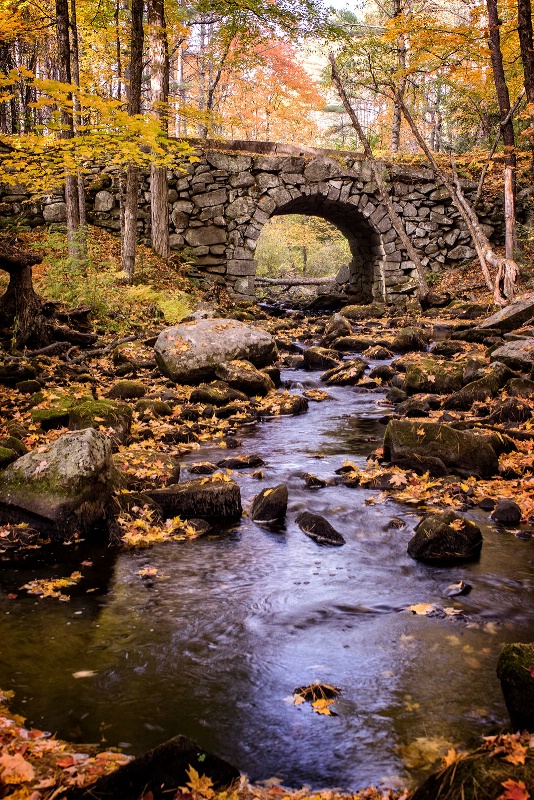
x: 433, y: 375
x: 7, y: 456
x: 94, y: 413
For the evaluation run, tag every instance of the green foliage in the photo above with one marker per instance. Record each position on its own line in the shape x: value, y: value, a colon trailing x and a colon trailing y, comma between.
x: 299, y: 245
x: 96, y: 283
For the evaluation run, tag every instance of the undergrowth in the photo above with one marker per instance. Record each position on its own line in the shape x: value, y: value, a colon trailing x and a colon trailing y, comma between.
x: 159, y: 295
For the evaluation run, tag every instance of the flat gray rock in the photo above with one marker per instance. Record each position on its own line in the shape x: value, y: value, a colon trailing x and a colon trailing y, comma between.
x: 513, y: 316
x: 517, y: 355
x: 192, y: 351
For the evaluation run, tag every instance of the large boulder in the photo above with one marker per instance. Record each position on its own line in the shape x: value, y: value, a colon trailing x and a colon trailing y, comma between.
x: 192, y: 351
x: 217, y: 499
x: 346, y: 374
x: 515, y: 670
x: 463, y: 452
x: 445, y: 538
x: 513, y: 316
x: 113, y: 415
x: 62, y: 488
x: 516, y: 355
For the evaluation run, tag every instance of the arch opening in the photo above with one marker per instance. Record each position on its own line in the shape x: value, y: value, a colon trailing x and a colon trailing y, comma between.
x: 356, y: 245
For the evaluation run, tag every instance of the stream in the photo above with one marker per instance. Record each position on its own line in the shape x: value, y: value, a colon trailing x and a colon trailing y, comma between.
x: 215, y: 645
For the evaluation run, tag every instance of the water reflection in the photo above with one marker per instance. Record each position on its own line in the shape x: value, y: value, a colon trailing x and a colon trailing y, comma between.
x: 214, y: 646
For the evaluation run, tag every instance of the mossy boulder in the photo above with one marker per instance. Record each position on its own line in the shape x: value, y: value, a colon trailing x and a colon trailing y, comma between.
x: 432, y: 375
x: 28, y: 387
x: 352, y: 344
x: 480, y: 390
x: 520, y: 387
x: 112, y: 415
x: 283, y: 404
x: 56, y: 415
x: 445, y: 538
x: 158, y: 408
x: 346, y: 374
x: 140, y: 469
x: 463, y: 452
x: 217, y: 393
x: 515, y: 670
x: 408, y: 340
x: 12, y: 443
x: 7, y: 456
x: 359, y: 312
x: 127, y: 390
x: 63, y: 488
x: 338, y: 326
x: 320, y: 358
x: 244, y: 377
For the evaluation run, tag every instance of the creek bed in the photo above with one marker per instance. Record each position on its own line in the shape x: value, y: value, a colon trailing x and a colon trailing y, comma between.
x: 214, y: 646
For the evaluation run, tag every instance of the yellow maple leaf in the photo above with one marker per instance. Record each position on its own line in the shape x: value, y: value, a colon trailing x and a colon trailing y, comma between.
x: 422, y: 608
x: 321, y: 706
x: 200, y: 783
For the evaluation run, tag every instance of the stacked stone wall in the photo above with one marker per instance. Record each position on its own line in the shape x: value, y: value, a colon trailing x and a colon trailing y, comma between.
x: 219, y: 204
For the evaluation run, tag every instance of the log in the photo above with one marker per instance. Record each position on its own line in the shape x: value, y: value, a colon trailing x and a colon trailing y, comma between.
x: 297, y: 281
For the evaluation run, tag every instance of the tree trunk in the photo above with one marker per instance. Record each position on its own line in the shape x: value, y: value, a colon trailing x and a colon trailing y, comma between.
x: 384, y: 194
x: 202, y: 127
x: 401, y: 61
x: 20, y: 307
x: 524, y: 29
x: 129, y: 230
x: 503, y: 97
x: 159, y: 96
x: 78, y: 123
x: 67, y: 123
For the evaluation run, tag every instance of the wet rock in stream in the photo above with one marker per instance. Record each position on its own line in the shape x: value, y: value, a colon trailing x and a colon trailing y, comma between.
x: 445, y: 538
x: 270, y: 504
x: 319, y: 529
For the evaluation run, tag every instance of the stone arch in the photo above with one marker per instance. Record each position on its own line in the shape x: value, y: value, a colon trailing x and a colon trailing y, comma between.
x: 365, y: 279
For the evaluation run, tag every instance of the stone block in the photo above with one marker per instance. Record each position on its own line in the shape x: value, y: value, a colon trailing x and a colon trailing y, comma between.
x: 176, y: 241
x: 384, y: 224
x: 242, y: 180
x: 241, y: 207
x: 207, y: 235
x: 56, y: 212
x: 229, y: 162
x: 244, y: 286
x: 267, y: 180
x: 179, y: 220
x: 183, y: 205
x: 280, y: 196
x: 236, y: 267
x: 214, y: 198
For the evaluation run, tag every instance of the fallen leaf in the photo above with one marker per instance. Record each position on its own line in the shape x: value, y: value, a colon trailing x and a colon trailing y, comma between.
x: 514, y: 790
x: 15, y: 769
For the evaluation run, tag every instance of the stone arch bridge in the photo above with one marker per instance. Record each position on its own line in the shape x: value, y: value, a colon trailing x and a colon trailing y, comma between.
x: 220, y: 204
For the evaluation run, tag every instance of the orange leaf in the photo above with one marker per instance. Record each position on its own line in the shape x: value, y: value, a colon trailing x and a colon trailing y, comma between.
x: 15, y: 769
x: 515, y: 790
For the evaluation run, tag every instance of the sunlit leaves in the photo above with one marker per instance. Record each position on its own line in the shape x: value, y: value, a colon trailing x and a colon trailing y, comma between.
x: 320, y: 695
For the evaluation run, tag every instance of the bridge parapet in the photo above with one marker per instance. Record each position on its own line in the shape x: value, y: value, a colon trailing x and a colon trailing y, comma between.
x: 219, y: 204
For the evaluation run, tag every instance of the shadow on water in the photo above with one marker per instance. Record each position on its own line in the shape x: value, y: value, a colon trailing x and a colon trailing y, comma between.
x: 215, y: 644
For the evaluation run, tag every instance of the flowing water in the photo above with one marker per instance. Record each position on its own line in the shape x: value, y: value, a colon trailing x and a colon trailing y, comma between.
x: 214, y: 646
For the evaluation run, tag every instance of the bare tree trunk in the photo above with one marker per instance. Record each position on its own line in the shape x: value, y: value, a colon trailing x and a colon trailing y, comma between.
x: 159, y: 96
x: 508, y: 136
x: 507, y: 270
x: 384, y: 194
x: 524, y: 29
x: 67, y: 124
x: 20, y: 306
x: 129, y: 230
x: 401, y: 60
x: 82, y: 214
x: 118, y: 49
x: 202, y: 127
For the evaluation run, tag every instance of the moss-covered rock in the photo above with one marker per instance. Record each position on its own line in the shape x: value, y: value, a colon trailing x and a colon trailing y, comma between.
x: 62, y: 488
x: 51, y: 418
x: 13, y: 373
x: 445, y: 538
x: 280, y: 404
x: 352, y: 344
x: 520, y: 387
x: 244, y: 377
x: 12, y: 443
x: 463, y: 452
x: 217, y: 393
x: 127, y: 390
x: 112, y: 415
x: 432, y: 375
x: 346, y: 374
x: 139, y: 470
x: 158, y: 408
x: 515, y: 670
x: 28, y: 387
x: 320, y: 358
x: 7, y: 456
x: 480, y: 390
x: 356, y: 312
x: 408, y: 340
